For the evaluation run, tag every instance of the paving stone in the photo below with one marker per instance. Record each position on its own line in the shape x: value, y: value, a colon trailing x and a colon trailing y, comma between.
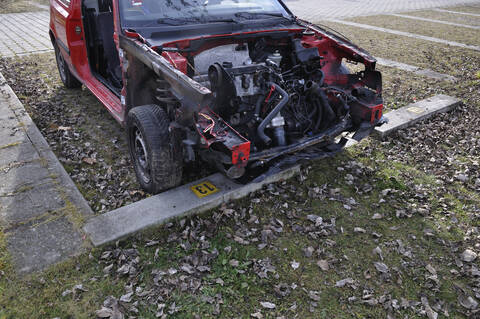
x: 24, y: 33
x: 26, y: 175
x: 33, y: 248
x: 413, y: 113
x: 175, y: 203
x: 30, y: 203
x: 23, y: 152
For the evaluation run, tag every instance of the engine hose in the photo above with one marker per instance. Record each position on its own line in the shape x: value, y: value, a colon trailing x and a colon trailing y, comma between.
x: 258, y: 105
x: 312, y: 114
x: 320, y: 115
x: 261, y: 128
x: 325, y: 104
x: 322, y: 78
x: 313, y: 89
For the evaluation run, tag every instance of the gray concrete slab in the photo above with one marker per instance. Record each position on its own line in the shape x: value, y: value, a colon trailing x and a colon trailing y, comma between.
x: 10, y: 136
x: 413, y: 113
x: 408, y: 34
x: 26, y: 175
x: 30, y: 203
x: 36, y: 138
x: 34, y: 248
x: 23, y: 152
x: 175, y: 203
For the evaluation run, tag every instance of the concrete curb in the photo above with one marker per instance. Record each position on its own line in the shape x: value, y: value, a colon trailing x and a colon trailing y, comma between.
x: 45, y: 151
x: 175, y: 203
x: 413, y: 113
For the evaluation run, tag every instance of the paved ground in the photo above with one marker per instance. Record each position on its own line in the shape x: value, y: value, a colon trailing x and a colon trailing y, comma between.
x: 24, y: 33
x: 315, y: 10
x: 40, y: 206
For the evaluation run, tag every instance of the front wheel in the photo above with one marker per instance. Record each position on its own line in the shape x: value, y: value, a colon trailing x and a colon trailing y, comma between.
x: 156, y: 152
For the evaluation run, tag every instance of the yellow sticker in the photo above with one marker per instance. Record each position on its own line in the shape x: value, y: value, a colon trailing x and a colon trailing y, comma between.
x: 416, y: 110
x: 204, y: 189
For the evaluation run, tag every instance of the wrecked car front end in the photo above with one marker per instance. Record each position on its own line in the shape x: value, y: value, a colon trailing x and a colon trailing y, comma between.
x: 248, y: 99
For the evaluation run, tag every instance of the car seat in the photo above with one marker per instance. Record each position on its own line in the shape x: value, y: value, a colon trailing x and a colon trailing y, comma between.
x: 105, y: 28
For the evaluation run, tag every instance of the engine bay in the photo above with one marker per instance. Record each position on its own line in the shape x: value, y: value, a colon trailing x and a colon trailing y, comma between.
x: 274, y: 95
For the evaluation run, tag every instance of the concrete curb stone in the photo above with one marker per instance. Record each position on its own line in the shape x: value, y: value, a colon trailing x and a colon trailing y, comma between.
x: 413, y: 113
x: 175, y: 203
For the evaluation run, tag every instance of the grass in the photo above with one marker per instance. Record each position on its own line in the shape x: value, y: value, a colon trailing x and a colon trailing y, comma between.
x: 448, y: 17
x: 436, y: 30
x: 349, y: 254
x: 466, y: 8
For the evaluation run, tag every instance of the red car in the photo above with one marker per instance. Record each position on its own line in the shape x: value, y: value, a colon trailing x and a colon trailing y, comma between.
x: 242, y: 84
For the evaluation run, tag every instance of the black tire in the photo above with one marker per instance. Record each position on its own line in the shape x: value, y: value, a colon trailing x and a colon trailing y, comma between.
x: 156, y: 152
x: 68, y: 79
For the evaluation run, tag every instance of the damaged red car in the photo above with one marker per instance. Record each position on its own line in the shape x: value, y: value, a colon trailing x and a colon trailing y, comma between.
x: 240, y: 84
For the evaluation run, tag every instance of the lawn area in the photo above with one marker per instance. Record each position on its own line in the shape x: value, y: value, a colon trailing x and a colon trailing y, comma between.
x: 354, y: 235
x: 441, y: 31
x: 448, y: 17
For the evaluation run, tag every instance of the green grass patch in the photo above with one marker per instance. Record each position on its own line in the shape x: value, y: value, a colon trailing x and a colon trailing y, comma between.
x: 436, y: 30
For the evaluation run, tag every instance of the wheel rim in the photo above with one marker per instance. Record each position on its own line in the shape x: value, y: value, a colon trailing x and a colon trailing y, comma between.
x: 141, y: 155
x: 61, y: 65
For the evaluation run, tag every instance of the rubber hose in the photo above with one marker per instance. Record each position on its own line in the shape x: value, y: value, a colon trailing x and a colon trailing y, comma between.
x: 320, y: 115
x: 312, y: 88
x: 261, y: 128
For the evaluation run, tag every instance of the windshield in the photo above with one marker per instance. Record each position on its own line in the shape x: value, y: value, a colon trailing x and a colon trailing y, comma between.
x: 150, y: 13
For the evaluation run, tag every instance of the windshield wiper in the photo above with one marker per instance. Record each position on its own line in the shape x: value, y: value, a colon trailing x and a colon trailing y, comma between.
x: 227, y: 20
x: 176, y: 22
x: 261, y: 15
